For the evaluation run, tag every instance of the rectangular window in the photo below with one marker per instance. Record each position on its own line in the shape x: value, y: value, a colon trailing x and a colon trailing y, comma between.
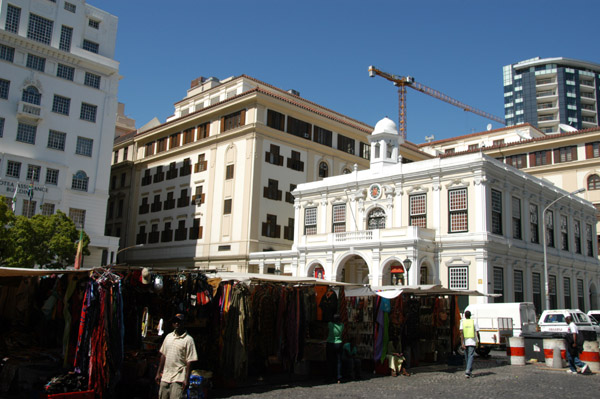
x: 577, y: 236
x: 159, y: 175
x: 516, y: 218
x: 497, y: 143
x: 79, y: 182
x: 552, y: 292
x: 473, y: 147
x: 154, y: 235
x: 181, y: 232
x: 33, y: 172
x: 365, y: 150
x: 161, y: 145
x: 65, y: 72
x: 35, y: 62
x: 533, y: 223
x: 203, y: 131
x: 275, y: 120
x: 1, y: 127
x: 272, y: 190
x: 299, y: 128
x: 7, y: 53
x: 61, y: 105
x: 174, y: 140
x: 88, y: 112
x: 339, y: 218
x: 184, y: 198
x: 40, y: 29
x: 295, y: 162
x: 92, y: 80
x: 167, y: 233
x: 499, y: 284
x: 4, y: 88
x: 149, y: 149
x: 549, y: 228
x: 458, y: 211
x: 288, y: 195
x: 28, y: 208
x: 323, y: 136
x: 195, y: 230
x: 141, y: 237
x: 589, y: 241
x: 78, y: 217
x: 233, y: 121
x: 518, y: 161
x: 202, y: 163
x: 567, y: 292
x: 186, y: 167
x: 188, y: 136
x: 229, y: 172
x: 198, y: 197
x: 227, y: 207
x: 66, y: 35
x: 540, y: 158
x: 496, y: 212
x: 564, y: 234
x: 458, y: 278
x: 537, y: 292
x: 47, y: 209
x: 52, y: 176
x: 90, y: 46
x: 13, y: 169
x: 345, y: 144
x: 272, y: 156
x: 92, y: 23
x: 565, y: 154
x: 418, y: 210
x: 580, y: 297
x: 84, y: 146
x: 70, y: 7
x: 310, y: 221
x: 13, y: 17
x: 518, y: 285
x: 26, y: 133
x: 270, y: 227
x: 288, y: 231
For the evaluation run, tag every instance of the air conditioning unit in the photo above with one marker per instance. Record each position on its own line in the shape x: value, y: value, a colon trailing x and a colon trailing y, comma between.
x: 198, y: 201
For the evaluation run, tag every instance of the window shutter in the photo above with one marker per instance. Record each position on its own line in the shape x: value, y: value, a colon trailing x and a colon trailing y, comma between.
x: 243, y: 117
x: 574, y: 153
x: 532, y: 159
x: 264, y: 229
x: 556, y: 156
x: 277, y: 231
x: 524, y: 160
x: 589, y: 151
x: 222, y: 124
x: 207, y: 131
x: 266, y: 192
x: 548, y: 157
x: 202, y: 199
x: 200, y: 232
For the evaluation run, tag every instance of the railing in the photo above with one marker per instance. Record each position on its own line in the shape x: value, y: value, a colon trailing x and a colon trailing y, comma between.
x: 545, y: 93
x: 544, y: 81
x: 587, y: 95
x: 366, y: 235
x: 28, y: 110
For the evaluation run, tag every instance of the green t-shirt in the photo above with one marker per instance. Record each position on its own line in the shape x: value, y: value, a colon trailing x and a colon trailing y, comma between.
x: 335, y: 332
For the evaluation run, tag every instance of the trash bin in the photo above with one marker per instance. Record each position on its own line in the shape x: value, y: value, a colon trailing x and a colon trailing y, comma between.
x: 534, y: 344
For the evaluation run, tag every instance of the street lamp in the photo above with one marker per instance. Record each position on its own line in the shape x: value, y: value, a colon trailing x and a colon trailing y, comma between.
x: 407, y: 264
x: 546, y: 283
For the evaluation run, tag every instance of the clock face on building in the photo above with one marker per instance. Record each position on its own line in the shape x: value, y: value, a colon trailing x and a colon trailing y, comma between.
x: 375, y: 191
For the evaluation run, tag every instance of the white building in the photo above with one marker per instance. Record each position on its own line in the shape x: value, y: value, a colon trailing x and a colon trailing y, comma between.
x: 58, y: 105
x: 466, y: 222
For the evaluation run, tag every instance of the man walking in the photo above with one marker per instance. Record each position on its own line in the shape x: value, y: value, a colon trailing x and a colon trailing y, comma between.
x: 469, y: 329
x: 573, y: 347
x: 177, y: 353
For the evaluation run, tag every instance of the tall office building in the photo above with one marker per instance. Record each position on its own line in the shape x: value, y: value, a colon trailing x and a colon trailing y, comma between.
x: 546, y: 92
x: 58, y: 105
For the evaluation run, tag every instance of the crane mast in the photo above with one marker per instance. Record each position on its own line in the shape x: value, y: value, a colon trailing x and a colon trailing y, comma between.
x: 403, y: 81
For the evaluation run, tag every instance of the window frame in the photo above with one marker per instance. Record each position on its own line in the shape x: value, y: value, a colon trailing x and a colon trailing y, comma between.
x: 416, y: 218
x: 456, y: 211
x: 310, y: 221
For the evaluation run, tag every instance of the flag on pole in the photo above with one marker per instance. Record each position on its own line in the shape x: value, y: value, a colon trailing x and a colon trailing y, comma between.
x: 79, y: 255
x: 14, y: 198
x: 30, y: 190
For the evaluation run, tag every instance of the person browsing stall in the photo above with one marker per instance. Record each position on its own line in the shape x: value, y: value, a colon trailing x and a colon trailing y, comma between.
x: 177, y: 354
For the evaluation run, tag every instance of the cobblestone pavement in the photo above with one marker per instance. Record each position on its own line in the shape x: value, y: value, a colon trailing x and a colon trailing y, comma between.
x: 492, y: 378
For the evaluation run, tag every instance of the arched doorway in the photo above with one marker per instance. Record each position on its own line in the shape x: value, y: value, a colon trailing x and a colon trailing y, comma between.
x: 394, y: 273
x: 353, y: 270
x: 316, y: 270
x: 376, y: 219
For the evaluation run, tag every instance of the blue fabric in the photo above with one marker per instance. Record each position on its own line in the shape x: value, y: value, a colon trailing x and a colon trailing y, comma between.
x: 574, y: 361
x: 386, y: 305
x: 469, y: 355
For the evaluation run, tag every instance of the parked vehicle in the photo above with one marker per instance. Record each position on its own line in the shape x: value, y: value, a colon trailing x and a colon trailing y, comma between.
x: 554, y: 320
x: 498, y: 321
x: 594, y: 316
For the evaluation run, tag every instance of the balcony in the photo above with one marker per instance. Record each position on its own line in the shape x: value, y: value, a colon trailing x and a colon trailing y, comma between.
x: 545, y: 93
x: 356, y: 239
x: 29, y: 112
x: 545, y: 81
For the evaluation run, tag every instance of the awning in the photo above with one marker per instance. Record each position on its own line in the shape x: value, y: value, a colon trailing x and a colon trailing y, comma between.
x: 255, y: 277
x: 392, y: 291
x: 27, y: 272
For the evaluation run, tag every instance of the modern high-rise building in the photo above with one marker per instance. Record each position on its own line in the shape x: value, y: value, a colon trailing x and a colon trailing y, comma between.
x: 58, y: 105
x: 548, y: 92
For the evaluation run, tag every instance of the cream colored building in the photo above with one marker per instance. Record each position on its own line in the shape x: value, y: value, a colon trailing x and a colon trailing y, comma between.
x: 214, y: 183
x: 466, y: 222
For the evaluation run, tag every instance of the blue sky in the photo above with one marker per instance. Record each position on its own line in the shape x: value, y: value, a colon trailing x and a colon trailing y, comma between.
x: 323, y: 49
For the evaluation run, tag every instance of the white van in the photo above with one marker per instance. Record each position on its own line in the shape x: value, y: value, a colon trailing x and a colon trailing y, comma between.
x: 554, y: 320
x: 498, y: 321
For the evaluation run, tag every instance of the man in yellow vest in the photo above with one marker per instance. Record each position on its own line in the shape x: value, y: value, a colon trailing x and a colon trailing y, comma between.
x: 469, y: 330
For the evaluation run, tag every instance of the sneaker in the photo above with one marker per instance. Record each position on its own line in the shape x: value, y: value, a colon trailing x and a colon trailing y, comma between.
x: 467, y: 375
x: 569, y: 371
x: 585, y: 369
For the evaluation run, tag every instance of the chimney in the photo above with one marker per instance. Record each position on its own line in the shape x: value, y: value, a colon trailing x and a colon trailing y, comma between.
x: 196, y: 82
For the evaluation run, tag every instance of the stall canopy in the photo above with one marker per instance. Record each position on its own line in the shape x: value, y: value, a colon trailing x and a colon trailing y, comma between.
x: 27, y: 272
x: 393, y: 291
x: 252, y: 277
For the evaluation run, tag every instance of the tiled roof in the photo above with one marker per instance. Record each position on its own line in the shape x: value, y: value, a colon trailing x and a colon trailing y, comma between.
x: 468, y: 136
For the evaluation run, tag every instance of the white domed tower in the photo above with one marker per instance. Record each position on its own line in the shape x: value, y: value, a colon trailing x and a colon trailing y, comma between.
x: 385, y: 144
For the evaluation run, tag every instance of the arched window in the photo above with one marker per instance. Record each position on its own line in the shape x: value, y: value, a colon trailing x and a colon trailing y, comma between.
x: 80, y: 181
x: 323, y: 170
x: 346, y: 171
x: 376, y: 219
x: 593, y: 182
x: 31, y: 95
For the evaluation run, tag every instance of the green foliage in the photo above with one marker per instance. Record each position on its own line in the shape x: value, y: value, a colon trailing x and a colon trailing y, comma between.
x: 7, y: 219
x: 47, y: 241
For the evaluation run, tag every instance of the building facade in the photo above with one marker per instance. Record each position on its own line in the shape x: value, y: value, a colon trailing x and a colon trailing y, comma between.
x: 547, y: 92
x: 58, y: 104
x: 465, y: 222
x: 214, y: 182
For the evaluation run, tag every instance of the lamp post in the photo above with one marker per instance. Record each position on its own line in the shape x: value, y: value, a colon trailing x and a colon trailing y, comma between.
x: 546, y: 283
x: 407, y: 264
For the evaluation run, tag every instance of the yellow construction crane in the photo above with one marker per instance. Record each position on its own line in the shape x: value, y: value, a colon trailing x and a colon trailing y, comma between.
x: 403, y: 81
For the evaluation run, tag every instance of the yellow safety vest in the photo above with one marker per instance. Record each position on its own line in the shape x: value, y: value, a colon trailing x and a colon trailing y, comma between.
x: 468, y: 328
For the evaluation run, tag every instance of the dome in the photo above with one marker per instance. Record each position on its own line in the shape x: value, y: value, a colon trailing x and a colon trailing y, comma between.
x: 386, y: 125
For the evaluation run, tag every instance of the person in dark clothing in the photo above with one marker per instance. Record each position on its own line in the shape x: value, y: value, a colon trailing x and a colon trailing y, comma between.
x: 334, y: 347
x: 350, y: 359
x: 329, y: 304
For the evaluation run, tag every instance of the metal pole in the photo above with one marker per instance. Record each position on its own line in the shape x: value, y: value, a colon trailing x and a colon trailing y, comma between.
x: 546, y: 282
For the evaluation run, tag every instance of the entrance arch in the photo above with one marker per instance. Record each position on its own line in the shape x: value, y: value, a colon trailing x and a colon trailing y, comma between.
x: 353, y: 269
x: 316, y: 270
x: 393, y: 273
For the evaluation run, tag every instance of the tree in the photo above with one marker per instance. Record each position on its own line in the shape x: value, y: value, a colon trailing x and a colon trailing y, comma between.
x: 46, y: 241
x: 7, y: 219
